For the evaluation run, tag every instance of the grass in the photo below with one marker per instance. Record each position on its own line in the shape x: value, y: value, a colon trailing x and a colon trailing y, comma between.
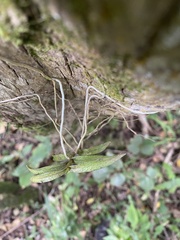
x: 136, y: 198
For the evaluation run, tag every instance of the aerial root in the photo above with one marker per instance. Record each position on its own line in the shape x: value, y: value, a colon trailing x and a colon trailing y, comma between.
x: 60, y: 127
x: 102, y: 124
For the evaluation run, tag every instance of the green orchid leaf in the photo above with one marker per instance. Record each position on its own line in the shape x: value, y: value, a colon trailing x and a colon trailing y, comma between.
x: 94, y: 162
x: 48, y: 176
x: 94, y: 150
x: 59, y: 157
x: 60, y: 166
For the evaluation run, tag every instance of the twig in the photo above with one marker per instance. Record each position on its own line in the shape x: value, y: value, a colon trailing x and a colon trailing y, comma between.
x: 156, y: 199
x: 146, y: 128
x: 169, y: 156
x: 22, y: 223
x: 127, y: 124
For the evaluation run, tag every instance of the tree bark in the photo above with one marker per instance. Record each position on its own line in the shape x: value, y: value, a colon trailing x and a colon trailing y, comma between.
x: 132, y: 69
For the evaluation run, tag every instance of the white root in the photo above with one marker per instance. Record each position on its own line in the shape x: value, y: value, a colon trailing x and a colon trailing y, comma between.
x: 88, y: 98
x: 40, y: 102
x: 100, y: 126
x: 62, y: 116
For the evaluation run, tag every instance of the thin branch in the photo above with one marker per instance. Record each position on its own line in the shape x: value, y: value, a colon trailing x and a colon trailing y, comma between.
x: 156, y: 199
x: 21, y: 224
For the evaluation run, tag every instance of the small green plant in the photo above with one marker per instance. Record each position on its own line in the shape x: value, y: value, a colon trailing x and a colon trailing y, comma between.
x: 37, y: 155
x: 87, y: 161
x: 138, y: 145
x: 167, y: 126
x: 133, y: 224
x: 64, y: 225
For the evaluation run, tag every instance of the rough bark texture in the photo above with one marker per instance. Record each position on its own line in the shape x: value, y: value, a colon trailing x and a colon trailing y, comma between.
x: 121, y: 64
